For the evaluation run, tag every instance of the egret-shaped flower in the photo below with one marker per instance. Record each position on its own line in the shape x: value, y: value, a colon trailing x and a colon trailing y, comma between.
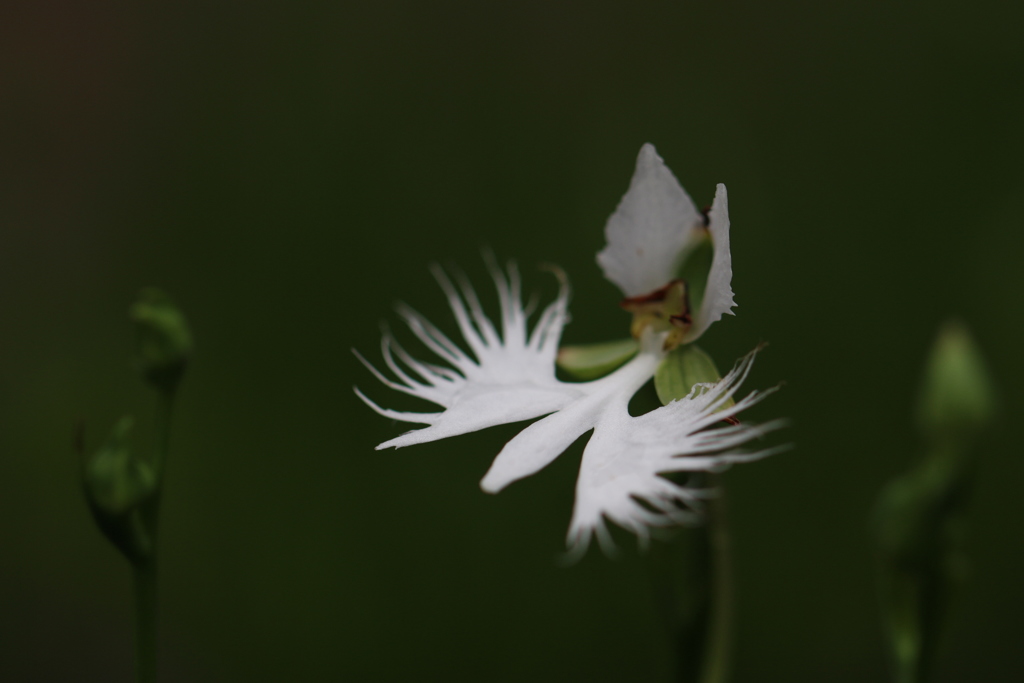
x: 508, y: 373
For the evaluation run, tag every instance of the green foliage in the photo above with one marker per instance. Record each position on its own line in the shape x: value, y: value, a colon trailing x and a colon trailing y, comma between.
x: 590, y: 361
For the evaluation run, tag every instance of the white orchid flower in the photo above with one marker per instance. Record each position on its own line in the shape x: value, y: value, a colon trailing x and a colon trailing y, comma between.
x: 509, y: 376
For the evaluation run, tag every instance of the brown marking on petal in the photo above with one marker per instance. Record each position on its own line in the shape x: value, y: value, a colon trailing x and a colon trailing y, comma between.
x: 684, y: 320
x: 657, y: 296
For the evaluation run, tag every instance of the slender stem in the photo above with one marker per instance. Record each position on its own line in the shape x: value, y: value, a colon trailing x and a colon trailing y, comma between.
x: 145, y: 570
x: 145, y: 577
x: 692, y: 578
x: 718, y: 647
x: 164, y: 410
x: 680, y: 580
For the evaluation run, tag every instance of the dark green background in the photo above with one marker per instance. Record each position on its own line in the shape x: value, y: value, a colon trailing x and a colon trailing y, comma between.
x: 288, y: 172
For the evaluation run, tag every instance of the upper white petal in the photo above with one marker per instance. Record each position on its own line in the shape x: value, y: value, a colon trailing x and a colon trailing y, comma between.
x: 651, y: 229
x: 718, y: 296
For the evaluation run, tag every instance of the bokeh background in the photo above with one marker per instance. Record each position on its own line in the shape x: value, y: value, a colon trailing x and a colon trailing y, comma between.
x: 287, y: 172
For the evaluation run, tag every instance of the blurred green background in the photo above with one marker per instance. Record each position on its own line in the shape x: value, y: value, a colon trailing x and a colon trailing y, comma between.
x: 288, y: 172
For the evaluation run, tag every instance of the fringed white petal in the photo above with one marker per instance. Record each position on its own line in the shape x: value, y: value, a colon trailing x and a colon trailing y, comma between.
x: 506, y: 377
x: 653, y: 226
x: 620, y: 475
x: 718, y: 296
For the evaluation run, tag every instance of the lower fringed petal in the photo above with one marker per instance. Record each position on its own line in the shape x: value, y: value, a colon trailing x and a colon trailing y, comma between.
x: 621, y: 476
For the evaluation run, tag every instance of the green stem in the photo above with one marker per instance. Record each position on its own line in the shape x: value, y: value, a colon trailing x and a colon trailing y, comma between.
x: 718, y: 647
x: 693, y: 591
x: 164, y: 410
x: 145, y: 570
x: 145, y: 621
x: 680, y: 580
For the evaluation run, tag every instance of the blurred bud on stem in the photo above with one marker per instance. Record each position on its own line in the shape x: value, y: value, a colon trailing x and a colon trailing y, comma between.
x: 163, y: 340
x: 122, y: 489
x: 117, y: 484
x: 116, y: 480
x: 957, y: 398
x: 920, y: 518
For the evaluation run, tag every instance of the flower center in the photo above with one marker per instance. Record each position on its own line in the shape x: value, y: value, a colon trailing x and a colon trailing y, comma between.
x: 664, y: 310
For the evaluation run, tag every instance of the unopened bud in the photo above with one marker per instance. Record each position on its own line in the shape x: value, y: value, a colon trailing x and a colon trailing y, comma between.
x: 957, y: 397
x: 919, y: 519
x: 115, y: 480
x: 163, y: 340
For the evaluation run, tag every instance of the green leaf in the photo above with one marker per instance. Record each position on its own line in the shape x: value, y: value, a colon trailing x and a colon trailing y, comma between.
x: 681, y: 370
x: 590, y: 361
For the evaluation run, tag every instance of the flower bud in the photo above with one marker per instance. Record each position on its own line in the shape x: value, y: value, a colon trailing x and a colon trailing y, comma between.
x: 116, y: 481
x: 163, y: 341
x: 957, y: 398
x: 920, y: 518
x: 118, y: 485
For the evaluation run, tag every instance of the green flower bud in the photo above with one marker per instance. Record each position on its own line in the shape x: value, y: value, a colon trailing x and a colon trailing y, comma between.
x: 957, y: 397
x: 163, y: 340
x: 590, y: 361
x: 116, y: 481
x: 118, y: 487
x: 919, y: 520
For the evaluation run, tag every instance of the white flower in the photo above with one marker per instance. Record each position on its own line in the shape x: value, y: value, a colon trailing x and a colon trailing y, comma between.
x: 509, y: 376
